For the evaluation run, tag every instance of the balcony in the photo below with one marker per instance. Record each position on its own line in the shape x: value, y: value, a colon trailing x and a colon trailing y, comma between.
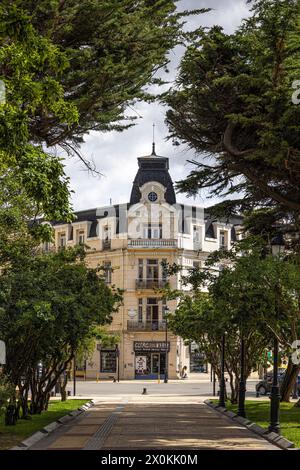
x: 150, y: 283
x: 152, y: 243
x: 146, y: 325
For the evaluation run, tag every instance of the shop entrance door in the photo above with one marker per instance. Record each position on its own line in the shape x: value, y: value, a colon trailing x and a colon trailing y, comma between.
x: 158, y: 363
x: 150, y: 365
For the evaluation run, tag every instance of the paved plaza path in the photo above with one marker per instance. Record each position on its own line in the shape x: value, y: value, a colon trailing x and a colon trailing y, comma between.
x: 145, y: 422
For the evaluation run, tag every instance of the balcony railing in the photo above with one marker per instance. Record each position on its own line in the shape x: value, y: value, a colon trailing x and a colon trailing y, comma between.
x: 146, y: 325
x: 152, y: 243
x: 150, y: 283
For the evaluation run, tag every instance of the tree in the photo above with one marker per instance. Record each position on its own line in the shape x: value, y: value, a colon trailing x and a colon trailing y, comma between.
x: 204, y: 317
x: 31, y: 67
x: 233, y: 106
x: 50, y: 307
x: 254, y: 297
x: 113, y: 49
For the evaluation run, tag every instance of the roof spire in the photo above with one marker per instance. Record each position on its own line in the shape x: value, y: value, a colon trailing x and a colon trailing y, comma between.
x: 153, y: 141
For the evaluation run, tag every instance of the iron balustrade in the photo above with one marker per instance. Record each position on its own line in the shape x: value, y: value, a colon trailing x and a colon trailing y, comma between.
x: 133, y: 325
x: 150, y: 283
x: 152, y: 243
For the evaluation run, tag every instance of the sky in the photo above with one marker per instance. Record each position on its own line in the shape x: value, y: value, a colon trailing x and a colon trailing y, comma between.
x: 115, y: 154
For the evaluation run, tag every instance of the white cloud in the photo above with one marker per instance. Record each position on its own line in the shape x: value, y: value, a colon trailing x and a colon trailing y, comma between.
x: 115, y: 154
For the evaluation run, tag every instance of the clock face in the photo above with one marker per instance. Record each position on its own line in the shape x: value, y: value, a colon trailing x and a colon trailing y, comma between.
x: 152, y: 196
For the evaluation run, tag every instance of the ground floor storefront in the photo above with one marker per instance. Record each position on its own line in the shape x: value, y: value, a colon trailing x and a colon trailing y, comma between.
x: 146, y: 356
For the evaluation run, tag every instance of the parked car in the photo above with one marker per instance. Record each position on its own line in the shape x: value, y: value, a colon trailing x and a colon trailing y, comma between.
x: 263, y: 387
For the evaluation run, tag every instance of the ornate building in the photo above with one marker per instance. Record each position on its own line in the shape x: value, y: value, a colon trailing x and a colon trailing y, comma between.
x: 132, y: 241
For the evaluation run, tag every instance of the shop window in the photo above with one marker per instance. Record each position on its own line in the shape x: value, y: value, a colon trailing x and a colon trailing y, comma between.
x: 108, y: 361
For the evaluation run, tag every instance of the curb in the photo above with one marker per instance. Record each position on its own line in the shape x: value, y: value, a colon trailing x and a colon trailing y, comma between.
x: 272, y: 437
x: 37, y: 436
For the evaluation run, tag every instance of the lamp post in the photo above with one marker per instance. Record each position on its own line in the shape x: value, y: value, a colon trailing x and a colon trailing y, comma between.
x: 74, y: 375
x: 222, y: 380
x: 277, y: 245
x: 242, y: 384
x: 118, y: 362
x: 166, y: 310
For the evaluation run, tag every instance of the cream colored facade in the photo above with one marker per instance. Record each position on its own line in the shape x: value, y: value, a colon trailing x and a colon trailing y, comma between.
x: 132, y: 240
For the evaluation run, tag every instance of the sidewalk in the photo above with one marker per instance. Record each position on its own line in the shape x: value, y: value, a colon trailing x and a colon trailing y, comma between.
x: 152, y: 423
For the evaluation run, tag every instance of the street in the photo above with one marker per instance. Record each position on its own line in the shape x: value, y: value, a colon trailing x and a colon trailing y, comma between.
x: 197, y: 385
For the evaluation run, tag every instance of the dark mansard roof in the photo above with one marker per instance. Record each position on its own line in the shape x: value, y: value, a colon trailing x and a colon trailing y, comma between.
x: 153, y: 168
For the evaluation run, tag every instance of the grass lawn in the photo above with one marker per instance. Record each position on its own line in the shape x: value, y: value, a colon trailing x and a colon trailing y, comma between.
x: 11, y: 435
x: 259, y: 412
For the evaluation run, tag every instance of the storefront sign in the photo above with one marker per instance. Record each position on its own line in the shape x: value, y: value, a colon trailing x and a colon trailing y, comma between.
x: 151, y: 346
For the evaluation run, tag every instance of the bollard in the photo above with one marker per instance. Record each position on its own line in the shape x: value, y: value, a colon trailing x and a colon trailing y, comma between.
x: 144, y: 391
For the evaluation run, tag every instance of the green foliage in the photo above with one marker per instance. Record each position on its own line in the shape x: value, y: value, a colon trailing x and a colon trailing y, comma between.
x: 50, y: 306
x: 31, y: 68
x: 259, y: 413
x: 114, y: 49
x: 13, y: 435
x: 233, y: 107
x: 254, y: 296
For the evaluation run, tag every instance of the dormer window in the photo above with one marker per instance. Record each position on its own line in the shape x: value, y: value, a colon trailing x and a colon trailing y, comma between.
x: 80, y: 237
x: 197, y: 237
x: 107, y: 237
x: 223, y: 239
x: 62, y: 240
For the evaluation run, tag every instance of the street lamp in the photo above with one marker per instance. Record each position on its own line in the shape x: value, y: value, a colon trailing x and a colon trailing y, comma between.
x: 166, y: 310
x: 74, y: 375
x: 118, y: 361
x: 222, y: 379
x: 277, y: 245
x: 242, y: 384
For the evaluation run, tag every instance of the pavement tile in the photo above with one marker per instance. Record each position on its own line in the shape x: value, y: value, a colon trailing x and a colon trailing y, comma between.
x: 83, y: 430
x: 156, y: 426
x: 69, y: 442
x: 91, y: 421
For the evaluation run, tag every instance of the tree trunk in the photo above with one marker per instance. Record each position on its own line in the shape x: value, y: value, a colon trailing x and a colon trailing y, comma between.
x: 23, y: 400
x: 63, y: 380
x: 11, y: 413
x: 233, y: 387
x: 289, y: 380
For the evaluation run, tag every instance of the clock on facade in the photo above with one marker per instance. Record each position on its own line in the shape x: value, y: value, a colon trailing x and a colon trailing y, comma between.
x: 152, y: 196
